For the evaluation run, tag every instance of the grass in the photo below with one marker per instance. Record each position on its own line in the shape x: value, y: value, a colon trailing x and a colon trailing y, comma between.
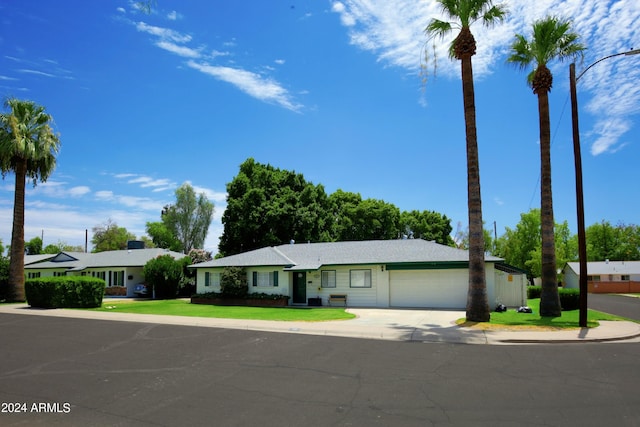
x: 181, y: 307
x: 511, y: 319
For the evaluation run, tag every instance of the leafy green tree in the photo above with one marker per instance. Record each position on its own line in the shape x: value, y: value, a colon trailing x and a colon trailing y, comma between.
x: 163, y: 274
x: 28, y: 148
x: 34, y: 246
x: 463, y: 13
x: 358, y: 219
x: 268, y: 206
x: 61, y: 247
x: 188, y: 220
x: 619, y: 243
x: 551, y: 40
x: 517, y: 245
x: 110, y: 237
x: 162, y: 237
x: 427, y: 225
x: 461, y: 240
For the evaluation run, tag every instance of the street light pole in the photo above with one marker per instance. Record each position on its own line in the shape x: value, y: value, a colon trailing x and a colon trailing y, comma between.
x: 582, y: 241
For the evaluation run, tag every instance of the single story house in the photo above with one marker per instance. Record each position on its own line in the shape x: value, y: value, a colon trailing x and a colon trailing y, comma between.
x: 116, y: 268
x: 377, y: 273
x: 605, y: 276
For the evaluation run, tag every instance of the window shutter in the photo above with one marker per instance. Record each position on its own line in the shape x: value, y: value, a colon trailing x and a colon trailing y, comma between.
x: 275, y: 278
x: 255, y: 278
x: 207, y: 278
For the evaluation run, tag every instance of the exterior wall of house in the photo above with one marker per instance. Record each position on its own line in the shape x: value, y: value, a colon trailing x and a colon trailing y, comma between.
x: 571, y: 279
x: 283, y: 288
x: 45, y: 272
x: 378, y: 292
x: 607, y: 283
x: 510, y: 288
x: 356, y: 296
x: 614, y: 287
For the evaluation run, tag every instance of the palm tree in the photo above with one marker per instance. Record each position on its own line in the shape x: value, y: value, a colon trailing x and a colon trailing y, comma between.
x: 28, y: 147
x: 464, y: 13
x: 551, y: 39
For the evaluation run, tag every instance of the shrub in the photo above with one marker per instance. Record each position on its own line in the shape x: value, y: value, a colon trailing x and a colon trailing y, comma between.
x: 233, y: 282
x: 4, y: 278
x: 163, y: 274
x: 67, y: 291
x: 569, y: 299
x: 534, y: 292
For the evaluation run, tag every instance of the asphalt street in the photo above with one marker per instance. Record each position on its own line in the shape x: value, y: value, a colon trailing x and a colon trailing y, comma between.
x: 619, y: 305
x: 69, y: 371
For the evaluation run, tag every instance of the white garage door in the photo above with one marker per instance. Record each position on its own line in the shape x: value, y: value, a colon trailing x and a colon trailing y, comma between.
x: 429, y: 288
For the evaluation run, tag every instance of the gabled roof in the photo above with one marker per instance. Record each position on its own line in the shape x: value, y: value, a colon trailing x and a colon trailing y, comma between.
x: 311, y: 256
x: 32, y: 259
x: 124, y: 258
x: 607, y: 267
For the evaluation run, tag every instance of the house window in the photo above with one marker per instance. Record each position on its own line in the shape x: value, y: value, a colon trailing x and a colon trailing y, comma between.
x: 265, y: 278
x: 99, y: 274
x: 625, y: 277
x: 33, y: 275
x: 360, y: 278
x: 593, y: 278
x: 58, y: 273
x: 329, y: 279
x: 211, y: 279
x: 118, y: 278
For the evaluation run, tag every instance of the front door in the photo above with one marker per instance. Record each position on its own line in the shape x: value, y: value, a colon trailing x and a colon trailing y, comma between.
x: 299, y: 287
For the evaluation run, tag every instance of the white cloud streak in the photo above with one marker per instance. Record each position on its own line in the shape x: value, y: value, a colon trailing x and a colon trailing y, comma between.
x: 253, y: 84
x: 394, y: 32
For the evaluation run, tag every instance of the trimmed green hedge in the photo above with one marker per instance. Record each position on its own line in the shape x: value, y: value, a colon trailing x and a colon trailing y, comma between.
x: 534, y: 292
x: 569, y: 298
x: 65, y: 291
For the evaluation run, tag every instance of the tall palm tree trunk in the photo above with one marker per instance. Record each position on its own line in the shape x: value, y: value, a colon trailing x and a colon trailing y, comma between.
x: 477, y: 301
x: 549, y: 298
x: 16, y: 262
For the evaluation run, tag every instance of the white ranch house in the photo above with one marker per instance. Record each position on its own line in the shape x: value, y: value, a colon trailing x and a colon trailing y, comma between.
x: 380, y: 273
x: 116, y: 268
x: 605, y: 276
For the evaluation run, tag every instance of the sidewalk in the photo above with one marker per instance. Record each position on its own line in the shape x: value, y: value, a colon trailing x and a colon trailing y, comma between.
x: 385, y: 324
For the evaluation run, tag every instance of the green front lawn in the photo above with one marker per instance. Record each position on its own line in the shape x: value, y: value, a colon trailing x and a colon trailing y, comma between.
x: 569, y: 319
x: 183, y: 307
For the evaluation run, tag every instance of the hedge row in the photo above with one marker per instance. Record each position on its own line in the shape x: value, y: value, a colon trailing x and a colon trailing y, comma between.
x: 65, y: 291
x: 569, y: 298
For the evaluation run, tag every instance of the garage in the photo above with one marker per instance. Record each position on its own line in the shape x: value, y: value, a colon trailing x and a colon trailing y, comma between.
x: 429, y: 288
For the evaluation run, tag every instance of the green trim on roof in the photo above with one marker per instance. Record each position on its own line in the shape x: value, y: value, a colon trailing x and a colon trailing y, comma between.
x: 435, y: 265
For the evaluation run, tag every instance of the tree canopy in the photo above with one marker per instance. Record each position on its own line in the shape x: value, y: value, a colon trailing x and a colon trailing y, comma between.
x: 110, y: 237
x: 268, y: 206
x: 185, y: 224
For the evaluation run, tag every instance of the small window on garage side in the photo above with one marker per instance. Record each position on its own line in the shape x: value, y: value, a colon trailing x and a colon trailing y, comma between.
x: 329, y: 279
x: 360, y: 278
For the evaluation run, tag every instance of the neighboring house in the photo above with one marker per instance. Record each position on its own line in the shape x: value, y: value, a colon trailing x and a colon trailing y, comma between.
x: 605, y: 276
x: 379, y: 273
x: 116, y: 268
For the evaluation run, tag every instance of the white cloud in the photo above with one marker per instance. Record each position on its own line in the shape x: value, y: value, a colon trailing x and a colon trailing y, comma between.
x: 121, y: 10
x: 35, y: 72
x: 79, y: 191
x: 163, y: 33
x: 394, y: 32
x: 255, y: 85
x: 185, y: 52
x: 173, y: 15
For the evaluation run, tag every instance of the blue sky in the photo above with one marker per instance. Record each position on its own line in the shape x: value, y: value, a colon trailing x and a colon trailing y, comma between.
x: 339, y: 91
